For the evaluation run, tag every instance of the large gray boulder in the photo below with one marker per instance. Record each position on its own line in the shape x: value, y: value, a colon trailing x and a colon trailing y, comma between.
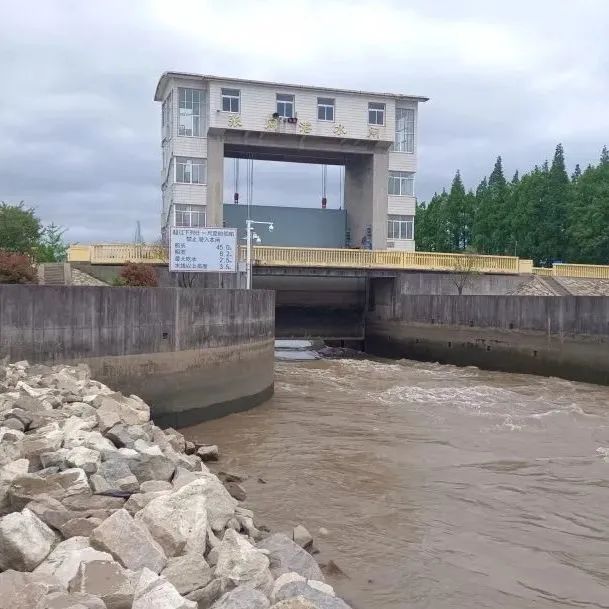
x: 25, y: 488
x: 85, y: 458
x: 63, y: 562
x: 74, y: 481
x: 25, y: 541
x: 89, y: 439
x: 242, y: 597
x: 302, y: 537
x: 319, y: 599
x: 8, y: 473
x: 207, y: 596
x: 188, y: 573
x: 286, y: 556
x: 242, y: 564
x: 151, y: 467
x: 220, y: 505
x: 117, y: 476
x: 79, y: 527
x: 107, y: 580
x: 51, y: 511
x: 130, y: 542
x: 124, y: 436
x: 154, y: 592
x: 116, y: 408
x: 178, y: 521
x: 20, y: 590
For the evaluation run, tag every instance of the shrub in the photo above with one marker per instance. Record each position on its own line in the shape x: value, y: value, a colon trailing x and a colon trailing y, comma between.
x: 16, y: 268
x: 138, y: 275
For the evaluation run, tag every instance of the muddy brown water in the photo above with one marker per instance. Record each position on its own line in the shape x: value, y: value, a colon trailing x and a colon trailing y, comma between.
x: 441, y: 487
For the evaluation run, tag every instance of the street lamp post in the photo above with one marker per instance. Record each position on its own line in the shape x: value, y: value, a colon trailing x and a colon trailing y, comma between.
x: 248, y: 248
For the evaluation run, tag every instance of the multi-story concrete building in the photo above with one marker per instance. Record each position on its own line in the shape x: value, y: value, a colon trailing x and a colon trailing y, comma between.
x: 373, y: 135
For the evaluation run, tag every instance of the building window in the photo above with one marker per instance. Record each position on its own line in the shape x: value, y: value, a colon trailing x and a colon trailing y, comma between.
x: 191, y: 101
x: 189, y: 216
x: 285, y: 105
x: 401, y: 183
x: 325, y: 108
x: 231, y: 100
x: 404, y: 130
x: 166, y: 117
x: 376, y: 113
x: 400, y: 227
x: 190, y: 171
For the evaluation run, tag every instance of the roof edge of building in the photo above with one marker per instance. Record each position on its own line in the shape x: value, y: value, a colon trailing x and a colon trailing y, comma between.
x: 208, y: 77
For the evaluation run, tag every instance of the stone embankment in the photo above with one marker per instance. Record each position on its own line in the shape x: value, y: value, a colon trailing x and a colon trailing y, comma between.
x: 100, y: 509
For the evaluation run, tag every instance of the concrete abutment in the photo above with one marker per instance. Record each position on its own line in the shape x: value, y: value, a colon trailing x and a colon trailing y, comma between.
x: 193, y: 354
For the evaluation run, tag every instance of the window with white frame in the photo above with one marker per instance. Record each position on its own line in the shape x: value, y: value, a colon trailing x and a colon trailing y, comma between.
x: 325, y: 108
x: 376, y: 113
x: 190, y: 171
x: 400, y: 227
x: 404, y: 130
x: 189, y: 216
x: 191, y: 106
x: 401, y: 183
x: 285, y: 105
x: 231, y: 100
x: 166, y: 117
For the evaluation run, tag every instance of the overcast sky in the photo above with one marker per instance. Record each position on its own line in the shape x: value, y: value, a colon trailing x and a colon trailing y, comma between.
x: 80, y: 133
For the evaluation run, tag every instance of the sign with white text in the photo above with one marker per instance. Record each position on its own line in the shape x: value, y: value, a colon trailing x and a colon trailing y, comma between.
x: 203, y: 250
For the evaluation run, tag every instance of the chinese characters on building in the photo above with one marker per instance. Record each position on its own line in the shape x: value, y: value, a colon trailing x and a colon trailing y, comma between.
x: 200, y: 250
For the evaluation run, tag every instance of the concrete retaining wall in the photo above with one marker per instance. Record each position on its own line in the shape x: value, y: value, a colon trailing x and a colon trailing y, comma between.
x: 553, y: 336
x: 408, y: 282
x: 192, y: 354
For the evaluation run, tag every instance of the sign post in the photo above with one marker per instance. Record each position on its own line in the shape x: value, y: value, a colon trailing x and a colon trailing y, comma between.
x: 203, y: 250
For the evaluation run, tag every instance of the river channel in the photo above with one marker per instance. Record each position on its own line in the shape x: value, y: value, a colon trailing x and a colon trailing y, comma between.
x: 440, y: 487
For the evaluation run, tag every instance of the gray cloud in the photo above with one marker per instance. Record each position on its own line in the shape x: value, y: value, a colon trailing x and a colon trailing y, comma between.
x: 79, y: 132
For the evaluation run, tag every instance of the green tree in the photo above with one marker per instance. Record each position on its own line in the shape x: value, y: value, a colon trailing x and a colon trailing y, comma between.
x: 555, y: 205
x: 51, y: 247
x: 589, y: 216
x: 20, y: 229
x: 492, y: 228
x: 431, y: 221
x: 577, y: 172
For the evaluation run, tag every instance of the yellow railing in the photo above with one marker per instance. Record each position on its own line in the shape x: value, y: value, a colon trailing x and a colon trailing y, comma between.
x: 592, y: 271
x: 539, y: 270
x: 584, y: 271
x: 346, y: 258
x: 312, y: 257
x: 380, y: 259
x: 111, y: 253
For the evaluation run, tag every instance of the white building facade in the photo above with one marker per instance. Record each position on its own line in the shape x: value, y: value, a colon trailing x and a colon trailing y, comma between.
x: 374, y: 135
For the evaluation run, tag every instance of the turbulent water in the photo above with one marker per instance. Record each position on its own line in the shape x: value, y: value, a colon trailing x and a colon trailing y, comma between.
x: 441, y: 487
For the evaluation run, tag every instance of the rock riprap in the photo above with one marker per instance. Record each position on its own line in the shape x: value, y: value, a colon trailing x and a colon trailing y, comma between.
x: 100, y: 508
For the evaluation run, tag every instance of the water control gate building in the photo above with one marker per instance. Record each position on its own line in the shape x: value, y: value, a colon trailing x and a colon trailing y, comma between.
x: 373, y: 135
